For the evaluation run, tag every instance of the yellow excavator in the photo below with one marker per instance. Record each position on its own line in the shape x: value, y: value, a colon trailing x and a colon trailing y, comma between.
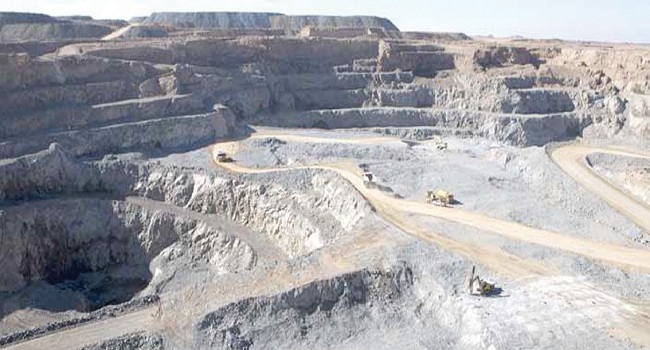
x: 440, y: 197
x: 478, y: 286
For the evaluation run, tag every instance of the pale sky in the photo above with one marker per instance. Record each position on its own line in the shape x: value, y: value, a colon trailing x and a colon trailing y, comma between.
x: 600, y: 20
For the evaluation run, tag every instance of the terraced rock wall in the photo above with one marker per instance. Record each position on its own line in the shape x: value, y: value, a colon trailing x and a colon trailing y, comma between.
x: 520, y: 131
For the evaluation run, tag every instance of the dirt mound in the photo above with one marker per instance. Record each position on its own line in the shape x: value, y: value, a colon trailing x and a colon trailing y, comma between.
x: 299, y: 22
x: 18, y: 17
x: 31, y: 27
x: 263, y: 20
x: 211, y: 19
x: 435, y: 36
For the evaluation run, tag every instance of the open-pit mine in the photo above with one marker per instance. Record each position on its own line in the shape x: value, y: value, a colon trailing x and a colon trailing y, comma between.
x: 269, y: 181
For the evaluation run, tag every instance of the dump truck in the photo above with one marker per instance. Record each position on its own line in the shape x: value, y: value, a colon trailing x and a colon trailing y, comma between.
x: 222, y: 157
x: 478, y: 286
x: 440, y: 197
x: 369, y: 180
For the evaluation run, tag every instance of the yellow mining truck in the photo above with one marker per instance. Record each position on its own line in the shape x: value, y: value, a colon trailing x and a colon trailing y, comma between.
x: 440, y: 197
x: 369, y: 180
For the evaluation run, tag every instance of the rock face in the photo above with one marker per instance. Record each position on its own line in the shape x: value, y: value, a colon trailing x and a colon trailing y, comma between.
x: 422, y: 60
x: 34, y: 48
x: 256, y: 76
x: 18, y: 17
x: 442, y: 36
x: 20, y: 73
x: 54, y: 242
x: 502, y: 56
x: 104, y: 114
x: 521, y: 131
x: 299, y: 22
x: 52, y: 204
x: 50, y: 31
x: 77, y: 95
x: 281, y: 55
x: 51, y: 242
x: 301, y: 311
x: 639, y: 114
x: 50, y: 171
x: 543, y: 101
x: 16, y: 27
x: 263, y: 20
x: 164, y: 133
x: 296, y: 229
x: 70, y: 100
x: 57, y: 240
x: 298, y: 218
x: 212, y: 19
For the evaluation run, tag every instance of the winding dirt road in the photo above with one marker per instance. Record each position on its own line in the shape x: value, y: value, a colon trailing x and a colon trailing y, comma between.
x: 636, y: 259
x: 573, y: 160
